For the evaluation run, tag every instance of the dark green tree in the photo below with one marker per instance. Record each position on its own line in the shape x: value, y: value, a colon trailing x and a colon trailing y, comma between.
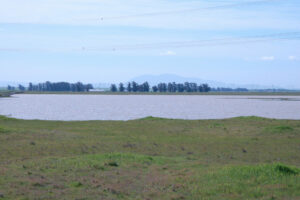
x: 10, y: 88
x: 180, y: 87
x: 113, y: 88
x: 187, y: 87
x: 154, y: 89
x: 21, y: 87
x: 129, y: 88
x: 146, y: 87
x: 206, y: 87
x: 30, y: 87
x: 162, y: 87
x: 121, y: 87
x: 134, y: 87
x: 89, y: 87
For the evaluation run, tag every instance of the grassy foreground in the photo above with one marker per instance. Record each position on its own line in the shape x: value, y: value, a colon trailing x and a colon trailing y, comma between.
x: 151, y: 158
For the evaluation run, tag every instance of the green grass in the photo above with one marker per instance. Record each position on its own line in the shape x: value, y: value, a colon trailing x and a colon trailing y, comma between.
x: 279, y: 129
x: 4, y: 130
x: 150, y: 158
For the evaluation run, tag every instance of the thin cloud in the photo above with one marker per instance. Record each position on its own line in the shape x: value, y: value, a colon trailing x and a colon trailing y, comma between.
x: 292, y: 58
x: 268, y: 58
x: 168, y: 53
x: 95, y: 12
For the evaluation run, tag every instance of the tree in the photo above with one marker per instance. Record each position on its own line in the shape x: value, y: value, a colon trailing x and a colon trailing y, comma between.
x: 162, y: 87
x: 30, y: 87
x: 60, y: 86
x: 73, y: 88
x: 200, y: 88
x: 40, y: 87
x: 140, y: 88
x: 206, y: 88
x: 174, y: 87
x: 180, y: 87
x: 194, y: 87
x: 121, y: 87
x: 154, y: 88
x: 21, y: 88
x: 89, y: 87
x: 187, y: 87
x: 170, y: 87
x: 134, y: 87
x: 129, y: 88
x: 113, y: 88
x: 48, y: 86
x: 146, y: 87
x: 80, y: 87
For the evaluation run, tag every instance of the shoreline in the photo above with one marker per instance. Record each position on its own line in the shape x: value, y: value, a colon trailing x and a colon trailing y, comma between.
x: 3, y: 117
x: 5, y: 94
x: 174, y: 94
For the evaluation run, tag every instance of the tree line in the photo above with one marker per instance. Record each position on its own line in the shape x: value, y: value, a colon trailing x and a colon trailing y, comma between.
x: 54, y: 87
x: 133, y: 86
x: 161, y: 87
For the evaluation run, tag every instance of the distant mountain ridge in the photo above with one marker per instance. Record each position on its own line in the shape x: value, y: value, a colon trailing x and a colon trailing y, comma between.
x: 155, y: 79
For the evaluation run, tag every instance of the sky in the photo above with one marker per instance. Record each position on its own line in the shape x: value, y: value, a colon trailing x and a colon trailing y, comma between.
x: 105, y: 41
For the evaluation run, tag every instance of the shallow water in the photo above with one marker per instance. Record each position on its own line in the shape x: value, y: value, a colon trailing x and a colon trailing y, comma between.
x: 126, y: 107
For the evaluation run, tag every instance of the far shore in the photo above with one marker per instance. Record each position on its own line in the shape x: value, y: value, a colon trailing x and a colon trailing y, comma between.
x: 168, y: 93
x: 5, y: 94
x: 8, y: 94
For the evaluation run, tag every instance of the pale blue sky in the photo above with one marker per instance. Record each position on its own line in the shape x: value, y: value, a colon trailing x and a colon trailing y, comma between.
x: 60, y: 40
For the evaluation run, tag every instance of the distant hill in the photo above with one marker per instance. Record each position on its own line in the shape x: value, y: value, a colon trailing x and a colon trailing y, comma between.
x: 155, y: 79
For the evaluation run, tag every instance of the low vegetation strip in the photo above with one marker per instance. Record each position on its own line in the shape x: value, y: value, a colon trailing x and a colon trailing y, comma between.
x: 5, y: 94
x: 151, y: 158
x: 286, y: 94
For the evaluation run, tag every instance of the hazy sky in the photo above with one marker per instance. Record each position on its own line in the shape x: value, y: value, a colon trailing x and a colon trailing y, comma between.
x: 80, y: 40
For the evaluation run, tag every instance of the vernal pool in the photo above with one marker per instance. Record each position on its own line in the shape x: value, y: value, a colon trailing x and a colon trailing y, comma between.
x: 127, y: 107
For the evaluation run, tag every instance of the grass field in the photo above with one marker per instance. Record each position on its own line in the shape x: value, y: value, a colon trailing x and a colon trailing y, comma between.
x: 151, y: 158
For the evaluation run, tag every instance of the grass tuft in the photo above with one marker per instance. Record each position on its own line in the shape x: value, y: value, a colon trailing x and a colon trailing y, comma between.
x: 279, y: 129
x: 283, y: 128
x: 4, y: 130
x: 287, y: 170
x: 255, y: 118
x: 76, y: 184
x: 151, y: 118
x: 262, y: 171
x: 112, y: 164
x: 37, y: 185
x: 98, y: 167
